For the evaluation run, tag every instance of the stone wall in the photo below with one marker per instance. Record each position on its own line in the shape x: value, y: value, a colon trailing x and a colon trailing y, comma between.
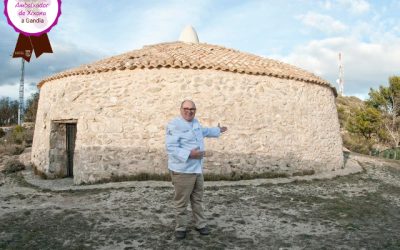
x: 275, y: 125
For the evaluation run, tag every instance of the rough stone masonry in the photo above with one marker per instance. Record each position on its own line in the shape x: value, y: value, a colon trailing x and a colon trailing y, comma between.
x: 284, y: 122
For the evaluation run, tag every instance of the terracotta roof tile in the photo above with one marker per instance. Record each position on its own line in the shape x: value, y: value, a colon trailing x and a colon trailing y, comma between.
x: 195, y: 56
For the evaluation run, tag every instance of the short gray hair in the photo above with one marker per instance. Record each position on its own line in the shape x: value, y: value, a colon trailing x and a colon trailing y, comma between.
x: 187, y: 100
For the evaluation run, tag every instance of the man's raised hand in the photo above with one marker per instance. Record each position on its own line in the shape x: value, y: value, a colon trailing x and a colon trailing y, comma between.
x: 222, y: 129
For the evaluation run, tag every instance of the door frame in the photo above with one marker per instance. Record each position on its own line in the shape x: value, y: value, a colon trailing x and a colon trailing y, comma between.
x: 65, y: 166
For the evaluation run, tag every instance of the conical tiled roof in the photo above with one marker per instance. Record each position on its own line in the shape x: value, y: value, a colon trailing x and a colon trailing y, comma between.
x: 194, y: 56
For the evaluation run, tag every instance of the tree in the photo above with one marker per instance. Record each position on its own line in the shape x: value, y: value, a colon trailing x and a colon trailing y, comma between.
x: 8, y: 111
x: 366, y: 122
x: 387, y: 100
x: 31, y: 107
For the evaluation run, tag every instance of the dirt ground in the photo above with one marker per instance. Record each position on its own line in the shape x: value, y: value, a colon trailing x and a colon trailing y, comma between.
x: 357, y: 211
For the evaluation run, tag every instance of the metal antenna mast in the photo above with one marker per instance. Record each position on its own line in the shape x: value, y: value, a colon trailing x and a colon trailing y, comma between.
x: 340, y: 81
x: 21, y: 93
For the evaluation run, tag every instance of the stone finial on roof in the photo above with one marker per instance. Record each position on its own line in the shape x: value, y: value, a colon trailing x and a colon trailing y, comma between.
x: 189, y: 35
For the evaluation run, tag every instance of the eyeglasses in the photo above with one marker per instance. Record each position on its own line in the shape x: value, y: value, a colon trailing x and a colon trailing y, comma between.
x: 188, y: 109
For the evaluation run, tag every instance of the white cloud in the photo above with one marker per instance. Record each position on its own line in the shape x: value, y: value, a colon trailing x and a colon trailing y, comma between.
x: 355, y: 6
x: 365, y: 65
x: 12, y: 91
x: 323, y: 23
x: 327, y: 5
x: 370, y: 34
x: 65, y: 56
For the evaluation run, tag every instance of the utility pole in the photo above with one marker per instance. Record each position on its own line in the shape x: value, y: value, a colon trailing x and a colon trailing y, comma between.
x: 340, y: 80
x: 21, y: 93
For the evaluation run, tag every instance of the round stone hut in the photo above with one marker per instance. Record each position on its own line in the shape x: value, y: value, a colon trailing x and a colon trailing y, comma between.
x: 106, y: 121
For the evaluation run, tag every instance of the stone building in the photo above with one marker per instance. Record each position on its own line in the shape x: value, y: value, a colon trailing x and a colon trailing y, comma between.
x: 106, y: 120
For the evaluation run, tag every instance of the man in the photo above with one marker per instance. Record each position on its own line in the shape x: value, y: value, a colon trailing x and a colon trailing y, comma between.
x: 185, y: 148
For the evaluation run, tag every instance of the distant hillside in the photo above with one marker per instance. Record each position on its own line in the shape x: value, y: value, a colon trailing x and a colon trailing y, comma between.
x: 349, y: 101
x: 346, y: 106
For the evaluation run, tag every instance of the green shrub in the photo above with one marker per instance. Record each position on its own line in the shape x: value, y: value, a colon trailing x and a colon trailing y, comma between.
x: 2, y: 132
x: 13, y: 166
x: 28, y: 137
x: 18, y: 134
x: 357, y: 144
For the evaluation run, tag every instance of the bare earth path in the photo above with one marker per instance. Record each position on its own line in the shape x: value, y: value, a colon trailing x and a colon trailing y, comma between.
x: 358, y: 211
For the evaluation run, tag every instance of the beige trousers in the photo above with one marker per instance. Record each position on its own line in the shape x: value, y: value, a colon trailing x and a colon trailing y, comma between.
x: 188, y: 187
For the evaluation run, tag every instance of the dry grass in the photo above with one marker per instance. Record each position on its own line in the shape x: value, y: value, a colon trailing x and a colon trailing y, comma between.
x: 15, y: 140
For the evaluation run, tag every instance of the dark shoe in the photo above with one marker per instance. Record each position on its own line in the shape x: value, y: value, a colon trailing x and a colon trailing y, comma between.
x: 203, y: 231
x: 180, y: 235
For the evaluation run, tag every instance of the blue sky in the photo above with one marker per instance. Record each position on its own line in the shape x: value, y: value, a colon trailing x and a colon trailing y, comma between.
x: 305, y: 33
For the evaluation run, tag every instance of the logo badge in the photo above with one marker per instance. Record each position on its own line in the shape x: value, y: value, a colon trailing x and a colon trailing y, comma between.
x: 32, y: 19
